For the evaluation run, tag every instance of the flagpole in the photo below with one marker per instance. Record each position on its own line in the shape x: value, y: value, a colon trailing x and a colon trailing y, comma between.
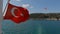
x: 1, y: 15
x: 6, y: 8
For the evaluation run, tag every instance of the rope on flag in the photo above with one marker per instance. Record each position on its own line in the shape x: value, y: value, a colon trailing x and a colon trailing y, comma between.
x: 16, y: 14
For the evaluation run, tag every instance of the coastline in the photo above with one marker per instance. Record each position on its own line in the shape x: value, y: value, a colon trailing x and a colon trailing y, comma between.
x: 44, y: 19
x: 47, y: 16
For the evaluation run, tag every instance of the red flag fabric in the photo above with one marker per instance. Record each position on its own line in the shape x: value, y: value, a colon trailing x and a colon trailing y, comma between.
x: 16, y: 14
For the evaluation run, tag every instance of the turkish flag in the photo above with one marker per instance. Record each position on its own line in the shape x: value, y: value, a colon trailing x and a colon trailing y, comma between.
x: 16, y: 14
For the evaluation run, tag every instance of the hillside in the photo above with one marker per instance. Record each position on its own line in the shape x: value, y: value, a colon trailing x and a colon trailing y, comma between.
x: 45, y: 15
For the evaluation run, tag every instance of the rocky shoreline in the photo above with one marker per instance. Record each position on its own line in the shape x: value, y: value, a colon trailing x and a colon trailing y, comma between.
x: 48, y: 16
x: 44, y: 19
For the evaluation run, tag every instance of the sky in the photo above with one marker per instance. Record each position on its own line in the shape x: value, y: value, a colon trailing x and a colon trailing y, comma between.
x: 37, y: 6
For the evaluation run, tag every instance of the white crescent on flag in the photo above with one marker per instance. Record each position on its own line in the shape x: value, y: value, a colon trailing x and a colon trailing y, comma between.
x: 16, y: 14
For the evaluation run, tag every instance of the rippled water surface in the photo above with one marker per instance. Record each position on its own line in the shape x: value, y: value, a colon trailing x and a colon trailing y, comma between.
x: 31, y: 27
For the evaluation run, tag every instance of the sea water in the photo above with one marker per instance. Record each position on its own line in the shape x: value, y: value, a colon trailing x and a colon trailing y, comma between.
x: 31, y: 27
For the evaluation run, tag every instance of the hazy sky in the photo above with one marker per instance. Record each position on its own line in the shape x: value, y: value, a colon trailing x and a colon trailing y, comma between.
x: 38, y: 6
